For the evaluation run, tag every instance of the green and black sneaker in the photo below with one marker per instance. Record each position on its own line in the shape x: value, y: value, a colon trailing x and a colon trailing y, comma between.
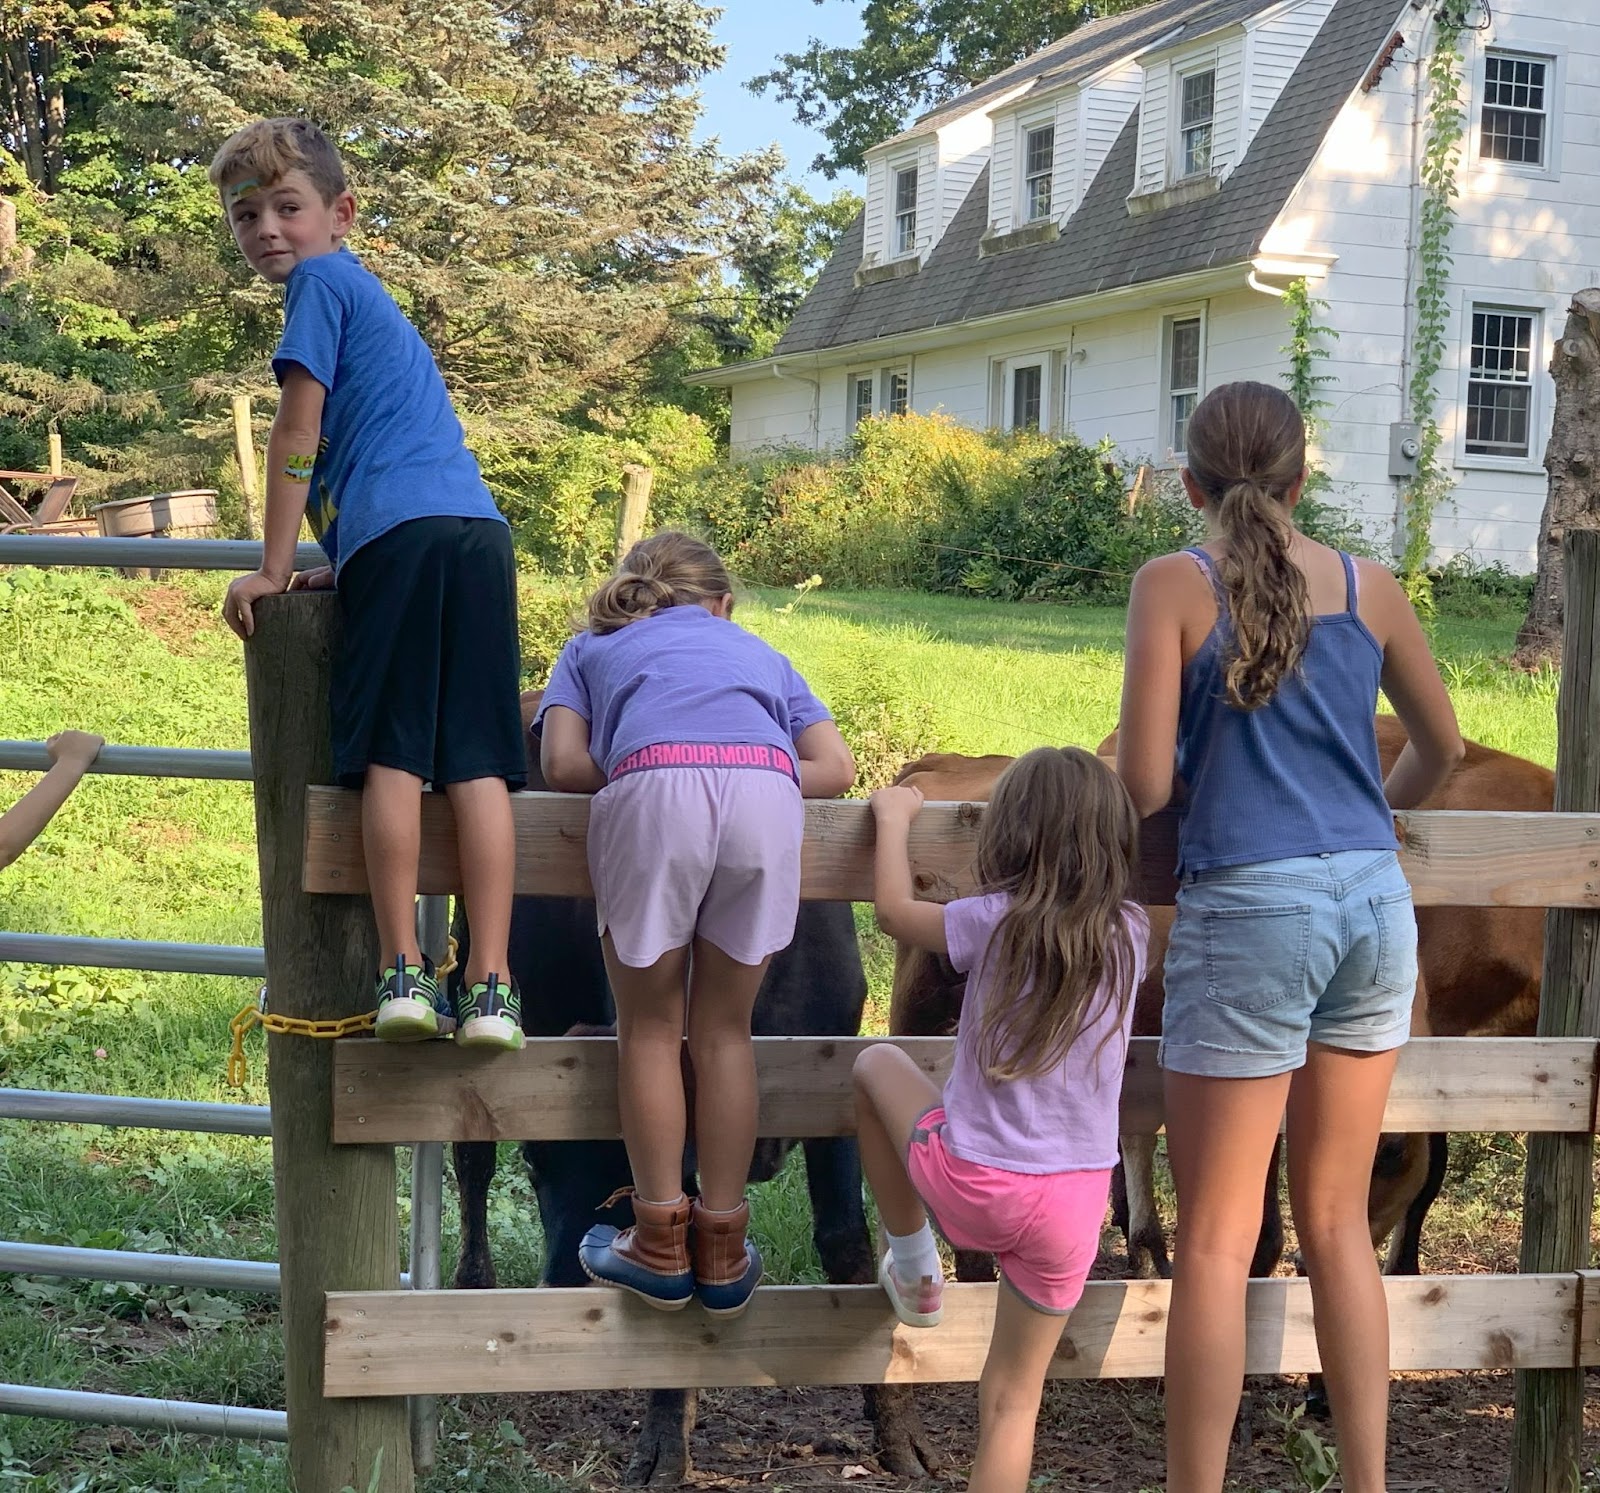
x: 491, y: 1015
x: 411, y: 1005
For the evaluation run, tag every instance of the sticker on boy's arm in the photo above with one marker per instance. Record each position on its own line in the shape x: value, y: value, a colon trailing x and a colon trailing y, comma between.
x: 299, y: 468
x: 242, y: 189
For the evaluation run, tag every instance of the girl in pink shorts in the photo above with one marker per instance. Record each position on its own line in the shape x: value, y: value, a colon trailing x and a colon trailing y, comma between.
x: 699, y: 742
x: 1015, y: 1157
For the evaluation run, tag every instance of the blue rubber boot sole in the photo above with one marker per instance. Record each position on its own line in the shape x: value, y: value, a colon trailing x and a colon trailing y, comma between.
x: 731, y: 1298
x: 601, y: 1262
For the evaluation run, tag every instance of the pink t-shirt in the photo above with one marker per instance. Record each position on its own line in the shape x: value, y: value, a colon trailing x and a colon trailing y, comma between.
x: 1065, y: 1120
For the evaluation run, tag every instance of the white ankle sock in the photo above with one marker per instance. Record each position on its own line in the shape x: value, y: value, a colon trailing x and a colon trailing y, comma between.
x: 914, y: 1255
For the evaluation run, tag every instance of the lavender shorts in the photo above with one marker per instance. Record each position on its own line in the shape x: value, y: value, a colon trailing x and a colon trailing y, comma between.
x: 680, y: 851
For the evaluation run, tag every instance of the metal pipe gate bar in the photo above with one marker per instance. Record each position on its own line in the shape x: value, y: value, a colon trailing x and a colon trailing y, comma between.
x: 236, y: 1421
x: 135, y: 1114
x: 153, y: 554
x: 134, y: 953
x: 138, y: 761
x: 136, y: 1268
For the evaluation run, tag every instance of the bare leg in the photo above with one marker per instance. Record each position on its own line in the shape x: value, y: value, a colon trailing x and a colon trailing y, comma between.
x: 1220, y: 1134
x: 892, y: 1094
x: 488, y: 871
x: 722, y: 999
x: 1336, y: 1109
x: 1009, y: 1392
x: 650, y: 1005
x: 391, y: 836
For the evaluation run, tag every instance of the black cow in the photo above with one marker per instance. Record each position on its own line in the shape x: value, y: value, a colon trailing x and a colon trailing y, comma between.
x: 814, y: 988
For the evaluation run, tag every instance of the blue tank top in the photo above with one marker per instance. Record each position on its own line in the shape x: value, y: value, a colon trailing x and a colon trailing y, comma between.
x: 1298, y: 776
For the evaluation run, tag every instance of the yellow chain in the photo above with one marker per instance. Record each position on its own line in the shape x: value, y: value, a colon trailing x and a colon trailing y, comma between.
x: 256, y: 1014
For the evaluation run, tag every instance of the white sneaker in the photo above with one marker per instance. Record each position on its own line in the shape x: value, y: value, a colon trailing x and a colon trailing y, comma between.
x: 921, y: 1305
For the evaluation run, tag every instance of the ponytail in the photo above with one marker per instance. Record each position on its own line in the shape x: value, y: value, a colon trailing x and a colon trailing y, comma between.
x: 1246, y: 449
x: 666, y: 570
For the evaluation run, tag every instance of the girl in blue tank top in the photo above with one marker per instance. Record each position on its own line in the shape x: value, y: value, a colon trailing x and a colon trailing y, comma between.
x: 1253, y: 667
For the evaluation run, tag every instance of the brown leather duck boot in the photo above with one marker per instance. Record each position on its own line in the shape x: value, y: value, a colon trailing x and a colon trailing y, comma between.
x: 651, y: 1259
x: 727, y: 1266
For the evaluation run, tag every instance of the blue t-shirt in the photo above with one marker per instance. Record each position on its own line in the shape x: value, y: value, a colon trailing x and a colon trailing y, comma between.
x: 680, y: 675
x: 392, y: 448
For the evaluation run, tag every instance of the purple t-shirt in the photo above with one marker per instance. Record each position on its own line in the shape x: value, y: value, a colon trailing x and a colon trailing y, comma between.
x: 680, y: 675
x: 1065, y: 1120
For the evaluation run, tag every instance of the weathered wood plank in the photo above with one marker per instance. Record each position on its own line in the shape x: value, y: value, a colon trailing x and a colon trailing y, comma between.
x: 484, y: 1342
x: 1453, y: 859
x: 1588, y: 1317
x: 566, y: 1088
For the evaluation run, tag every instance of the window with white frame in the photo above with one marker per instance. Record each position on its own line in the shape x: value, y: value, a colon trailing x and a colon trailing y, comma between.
x: 1027, y: 396
x: 1516, y: 109
x: 905, y: 210
x: 1500, y: 383
x: 1183, y: 373
x: 861, y: 398
x: 1197, y: 107
x: 1039, y: 169
x: 896, y: 391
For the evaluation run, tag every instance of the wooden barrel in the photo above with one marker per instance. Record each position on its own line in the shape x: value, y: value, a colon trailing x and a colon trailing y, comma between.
x: 191, y: 514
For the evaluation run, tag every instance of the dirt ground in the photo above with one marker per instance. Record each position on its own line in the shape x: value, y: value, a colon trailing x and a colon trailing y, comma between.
x: 1448, y: 1431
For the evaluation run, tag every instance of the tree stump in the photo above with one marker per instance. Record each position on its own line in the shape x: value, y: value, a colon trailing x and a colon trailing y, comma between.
x: 1573, y: 462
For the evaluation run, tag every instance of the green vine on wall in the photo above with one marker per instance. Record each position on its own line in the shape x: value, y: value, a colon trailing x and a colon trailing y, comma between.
x: 1306, y: 351
x: 1445, y: 126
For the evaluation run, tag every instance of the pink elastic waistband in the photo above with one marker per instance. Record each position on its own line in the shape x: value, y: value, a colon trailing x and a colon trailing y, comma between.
x: 756, y: 755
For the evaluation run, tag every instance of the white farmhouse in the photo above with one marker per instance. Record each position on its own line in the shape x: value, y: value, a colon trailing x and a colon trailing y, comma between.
x: 1096, y: 236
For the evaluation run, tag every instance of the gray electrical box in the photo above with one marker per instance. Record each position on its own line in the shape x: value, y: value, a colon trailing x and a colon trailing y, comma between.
x: 1405, y: 446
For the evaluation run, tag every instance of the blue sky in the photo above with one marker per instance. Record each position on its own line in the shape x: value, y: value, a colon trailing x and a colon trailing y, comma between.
x: 755, y: 32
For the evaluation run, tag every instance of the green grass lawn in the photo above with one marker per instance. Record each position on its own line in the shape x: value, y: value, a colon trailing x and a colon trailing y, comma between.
x: 128, y: 857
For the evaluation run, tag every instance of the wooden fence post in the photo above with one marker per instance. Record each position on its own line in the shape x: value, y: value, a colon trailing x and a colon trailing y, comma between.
x: 637, y: 482
x: 244, y: 450
x: 1558, y: 1194
x: 57, y: 459
x: 338, y: 1222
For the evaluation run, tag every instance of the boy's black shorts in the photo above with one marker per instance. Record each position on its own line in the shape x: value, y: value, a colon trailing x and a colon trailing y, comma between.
x: 428, y: 677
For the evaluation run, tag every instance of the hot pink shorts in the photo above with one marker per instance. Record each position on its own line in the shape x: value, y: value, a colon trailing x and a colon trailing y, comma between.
x: 713, y: 851
x: 1044, y: 1230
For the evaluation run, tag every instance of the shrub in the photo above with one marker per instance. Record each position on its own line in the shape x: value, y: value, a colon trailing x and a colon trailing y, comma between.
x: 883, y: 719
x: 548, y: 613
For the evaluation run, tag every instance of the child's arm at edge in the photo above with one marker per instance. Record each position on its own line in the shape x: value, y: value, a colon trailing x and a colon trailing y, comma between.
x: 827, y: 767
x: 71, y: 752
x: 291, y: 454
x: 894, y: 901
x: 564, y: 753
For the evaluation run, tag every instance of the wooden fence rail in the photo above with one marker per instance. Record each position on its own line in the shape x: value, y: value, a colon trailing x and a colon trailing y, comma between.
x: 566, y: 1088
x: 411, y: 1342
x: 1452, y: 859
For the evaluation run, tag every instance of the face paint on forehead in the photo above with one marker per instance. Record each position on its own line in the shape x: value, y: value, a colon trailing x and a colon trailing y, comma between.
x: 242, y: 189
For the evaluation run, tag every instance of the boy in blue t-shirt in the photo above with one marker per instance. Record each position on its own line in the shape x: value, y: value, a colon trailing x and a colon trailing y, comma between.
x: 425, y: 687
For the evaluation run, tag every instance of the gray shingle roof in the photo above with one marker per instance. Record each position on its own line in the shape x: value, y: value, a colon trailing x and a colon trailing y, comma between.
x: 1102, y: 247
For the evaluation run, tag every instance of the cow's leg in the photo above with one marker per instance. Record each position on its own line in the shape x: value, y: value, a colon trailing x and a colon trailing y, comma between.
x: 1269, y: 1243
x: 475, y: 1162
x: 1405, y: 1244
x: 661, y: 1454
x: 1141, y: 1221
x: 839, y: 1224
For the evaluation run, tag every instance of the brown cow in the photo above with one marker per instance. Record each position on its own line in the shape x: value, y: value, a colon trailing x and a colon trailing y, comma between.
x: 1480, y: 972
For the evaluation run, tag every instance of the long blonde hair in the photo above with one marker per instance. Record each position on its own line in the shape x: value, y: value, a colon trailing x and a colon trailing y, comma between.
x: 1246, y: 449
x: 669, y: 569
x: 1060, y: 838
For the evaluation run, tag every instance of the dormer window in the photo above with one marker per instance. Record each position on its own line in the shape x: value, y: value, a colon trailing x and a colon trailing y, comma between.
x: 1196, y: 118
x: 905, y: 210
x: 1039, y: 154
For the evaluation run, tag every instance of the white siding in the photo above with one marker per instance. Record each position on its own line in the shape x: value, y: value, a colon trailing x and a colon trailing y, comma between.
x: 1003, y: 172
x: 1227, y: 125
x: 1103, y: 109
x: 1156, y: 83
x: 928, y: 225
x: 1064, y: 193
x: 1274, y: 48
x: 783, y: 412
x: 875, y: 234
x: 964, y: 149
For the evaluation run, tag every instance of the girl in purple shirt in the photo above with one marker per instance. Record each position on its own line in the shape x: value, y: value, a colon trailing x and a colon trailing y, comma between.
x: 1015, y: 1157
x: 699, y: 742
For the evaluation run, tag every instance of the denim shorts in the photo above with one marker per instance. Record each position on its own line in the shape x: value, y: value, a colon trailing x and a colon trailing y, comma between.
x: 1267, y: 957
